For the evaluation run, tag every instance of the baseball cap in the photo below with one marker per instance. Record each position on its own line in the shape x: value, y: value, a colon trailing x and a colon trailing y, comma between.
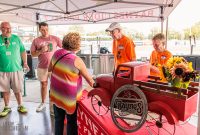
x: 113, y: 26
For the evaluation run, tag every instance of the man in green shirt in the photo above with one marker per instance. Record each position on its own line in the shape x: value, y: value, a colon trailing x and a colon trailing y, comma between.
x: 12, y: 54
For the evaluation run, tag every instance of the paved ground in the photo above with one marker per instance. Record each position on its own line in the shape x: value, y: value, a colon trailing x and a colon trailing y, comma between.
x: 32, y: 123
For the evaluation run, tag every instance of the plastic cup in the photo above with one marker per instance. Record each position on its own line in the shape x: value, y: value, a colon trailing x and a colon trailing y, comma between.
x: 50, y: 47
x: 26, y: 70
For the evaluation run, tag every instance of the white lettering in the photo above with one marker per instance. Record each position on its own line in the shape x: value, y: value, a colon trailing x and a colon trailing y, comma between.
x: 81, y: 114
x: 95, y: 129
x: 85, y: 129
x: 87, y: 125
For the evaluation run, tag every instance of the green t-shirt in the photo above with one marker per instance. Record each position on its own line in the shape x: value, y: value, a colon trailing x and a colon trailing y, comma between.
x: 10, y: 55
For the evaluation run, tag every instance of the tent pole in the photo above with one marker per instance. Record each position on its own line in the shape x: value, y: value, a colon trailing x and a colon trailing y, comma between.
x: 161, y: 18
x: 166, y: 33
x: 37, y: 29
x: 67, y: 10
x: 161, y: 26
x: 198, y: 124
x: 37, y: 23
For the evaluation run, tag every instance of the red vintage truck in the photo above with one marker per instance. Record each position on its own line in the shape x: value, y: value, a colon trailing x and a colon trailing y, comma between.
x: 134, y: 97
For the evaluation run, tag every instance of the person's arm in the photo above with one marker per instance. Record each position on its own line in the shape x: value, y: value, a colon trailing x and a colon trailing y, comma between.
x: 83, y: 71
x: 59, y: 42
x: 33, y: 49
x: 153, y: 67
x: 35, y: 52
x: 134, y: 53
x: 24, y: 59
x: 114, y: 51
x: 23, y: 54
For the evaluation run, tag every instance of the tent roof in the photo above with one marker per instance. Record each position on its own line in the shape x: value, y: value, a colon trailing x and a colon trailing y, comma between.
x: 85, y: 11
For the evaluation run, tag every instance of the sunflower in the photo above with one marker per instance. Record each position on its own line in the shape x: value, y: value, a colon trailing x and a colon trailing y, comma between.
x: 174, y: 60
x: 178, y: 70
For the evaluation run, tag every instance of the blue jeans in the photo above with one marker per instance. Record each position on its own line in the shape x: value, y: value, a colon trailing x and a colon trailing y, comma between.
x: 60, y: 114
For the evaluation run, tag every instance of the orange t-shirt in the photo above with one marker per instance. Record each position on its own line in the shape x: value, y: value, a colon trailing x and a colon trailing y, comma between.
x: 159, y: 59
x: 123, y: 50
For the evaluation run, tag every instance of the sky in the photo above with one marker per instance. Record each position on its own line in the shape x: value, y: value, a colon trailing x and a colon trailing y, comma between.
x: 186, y: 14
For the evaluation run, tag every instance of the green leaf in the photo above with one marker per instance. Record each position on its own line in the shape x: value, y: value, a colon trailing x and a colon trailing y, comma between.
x: 185, y: 84
x: 176, y: 83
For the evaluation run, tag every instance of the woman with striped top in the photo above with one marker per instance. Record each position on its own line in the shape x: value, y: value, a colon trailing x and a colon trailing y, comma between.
x: 66, y: 83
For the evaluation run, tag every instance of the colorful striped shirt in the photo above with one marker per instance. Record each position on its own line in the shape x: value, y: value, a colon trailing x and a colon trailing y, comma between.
x: 66, y: 81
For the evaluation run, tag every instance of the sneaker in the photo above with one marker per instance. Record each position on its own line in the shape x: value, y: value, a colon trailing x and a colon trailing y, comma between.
x: 22, y: 109
x: 41, y: 107
x: 5, y: 111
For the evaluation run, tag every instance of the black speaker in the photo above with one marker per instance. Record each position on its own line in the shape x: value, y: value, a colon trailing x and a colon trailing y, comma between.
x: 198, y: 63
x: 191, y: 59
x: 32, y: 63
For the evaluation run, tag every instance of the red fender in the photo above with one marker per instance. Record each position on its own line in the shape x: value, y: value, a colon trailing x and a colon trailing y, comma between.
x: 103, y: 94
x: 164, y: 109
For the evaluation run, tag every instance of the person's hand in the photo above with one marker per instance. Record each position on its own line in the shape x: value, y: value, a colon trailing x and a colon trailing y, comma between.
x: 155, y: 69
x: 26, y: 67
x: 44, y: 49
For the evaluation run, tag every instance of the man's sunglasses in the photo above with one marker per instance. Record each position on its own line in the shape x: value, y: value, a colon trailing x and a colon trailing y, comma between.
x: 6, y: 41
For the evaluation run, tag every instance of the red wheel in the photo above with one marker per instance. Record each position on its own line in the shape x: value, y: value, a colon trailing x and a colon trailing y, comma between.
x: 157, y: 124
x: 98, y: 106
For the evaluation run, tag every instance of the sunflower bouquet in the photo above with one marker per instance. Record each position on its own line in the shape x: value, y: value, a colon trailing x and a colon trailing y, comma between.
x: 178, y: 72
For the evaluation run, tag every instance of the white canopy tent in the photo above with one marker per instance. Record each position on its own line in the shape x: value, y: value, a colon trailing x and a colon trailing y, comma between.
x: 85, y: 11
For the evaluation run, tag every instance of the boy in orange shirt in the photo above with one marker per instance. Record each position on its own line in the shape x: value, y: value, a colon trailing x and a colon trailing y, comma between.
x: 159, y: 56
x: 123, y: 47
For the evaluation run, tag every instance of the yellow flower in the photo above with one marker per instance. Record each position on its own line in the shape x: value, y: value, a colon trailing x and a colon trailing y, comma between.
x: 178, y: 70
x: 172, y: 61
x: 190, y: 66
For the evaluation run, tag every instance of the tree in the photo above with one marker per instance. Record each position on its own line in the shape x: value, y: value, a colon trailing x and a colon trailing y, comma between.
x: 153, y: 32
x: 138, y: 36
x: 192, y: 31
x: 172, y: 34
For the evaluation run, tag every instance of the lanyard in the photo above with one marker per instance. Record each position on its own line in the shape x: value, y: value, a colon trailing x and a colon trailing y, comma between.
x: 6, y: 41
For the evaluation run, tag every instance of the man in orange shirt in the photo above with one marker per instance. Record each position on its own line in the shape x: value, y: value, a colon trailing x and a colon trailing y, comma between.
x: 159, y: 56
x: 123, y: 47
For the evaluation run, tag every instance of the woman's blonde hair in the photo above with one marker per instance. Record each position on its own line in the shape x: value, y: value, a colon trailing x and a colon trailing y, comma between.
x: 72, y: 41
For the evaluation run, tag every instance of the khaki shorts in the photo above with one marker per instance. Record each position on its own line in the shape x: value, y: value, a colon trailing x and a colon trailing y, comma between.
x: 11, y: 80
x: 43, y: 74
